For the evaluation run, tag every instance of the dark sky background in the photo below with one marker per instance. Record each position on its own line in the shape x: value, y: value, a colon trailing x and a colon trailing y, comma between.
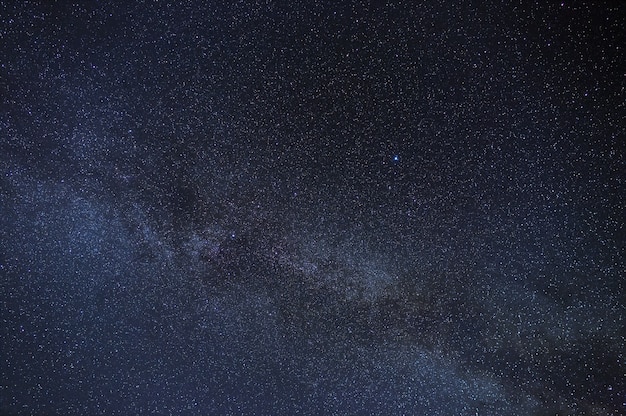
x: 312, y: 207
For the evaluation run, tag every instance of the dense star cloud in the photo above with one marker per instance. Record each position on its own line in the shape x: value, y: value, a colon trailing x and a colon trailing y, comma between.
x: 312, y: 207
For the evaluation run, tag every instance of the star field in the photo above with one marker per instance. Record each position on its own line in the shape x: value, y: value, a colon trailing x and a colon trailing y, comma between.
x: 312, y: 207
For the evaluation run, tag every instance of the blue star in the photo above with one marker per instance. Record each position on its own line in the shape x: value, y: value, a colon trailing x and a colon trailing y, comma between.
x: 396, y: 158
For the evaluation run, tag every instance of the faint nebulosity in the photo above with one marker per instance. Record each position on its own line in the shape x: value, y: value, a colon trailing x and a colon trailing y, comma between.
x: 312, y: 207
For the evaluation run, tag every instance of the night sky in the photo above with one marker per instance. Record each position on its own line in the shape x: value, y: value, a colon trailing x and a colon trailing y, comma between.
x: 312, y: 207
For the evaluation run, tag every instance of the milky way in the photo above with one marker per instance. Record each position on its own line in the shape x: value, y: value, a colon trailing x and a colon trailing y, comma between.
x: 314, y: 207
